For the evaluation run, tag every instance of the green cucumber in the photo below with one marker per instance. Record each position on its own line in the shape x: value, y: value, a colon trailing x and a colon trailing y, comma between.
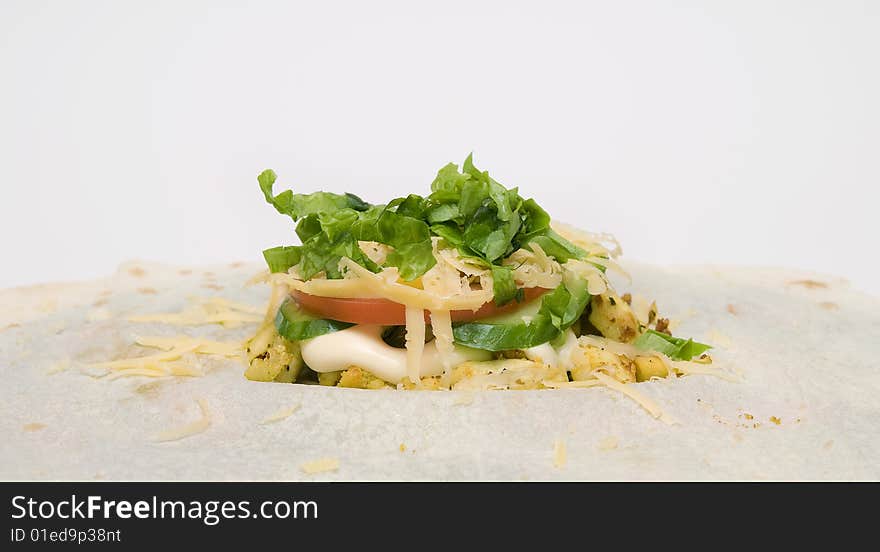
x: 296, y: 325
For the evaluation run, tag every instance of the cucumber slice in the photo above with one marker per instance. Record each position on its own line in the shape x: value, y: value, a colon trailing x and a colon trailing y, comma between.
x: 296, y: 325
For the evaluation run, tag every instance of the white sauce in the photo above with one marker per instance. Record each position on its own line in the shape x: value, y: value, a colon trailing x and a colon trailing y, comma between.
x: 543, y: 353
x: 362, y: 346
x: 567, y: 351
x: 561, y: 357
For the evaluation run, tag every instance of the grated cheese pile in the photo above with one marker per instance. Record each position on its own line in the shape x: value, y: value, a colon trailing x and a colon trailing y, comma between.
x: 212, y: 310
x: 172, y: 362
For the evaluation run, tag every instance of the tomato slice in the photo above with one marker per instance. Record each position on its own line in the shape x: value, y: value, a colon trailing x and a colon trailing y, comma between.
x: 389, y: 313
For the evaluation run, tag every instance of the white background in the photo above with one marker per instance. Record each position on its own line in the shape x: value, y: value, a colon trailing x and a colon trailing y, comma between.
x: 740, y: 132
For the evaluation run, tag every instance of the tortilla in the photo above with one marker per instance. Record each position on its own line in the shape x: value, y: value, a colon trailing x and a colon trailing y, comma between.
x: 804, y: 347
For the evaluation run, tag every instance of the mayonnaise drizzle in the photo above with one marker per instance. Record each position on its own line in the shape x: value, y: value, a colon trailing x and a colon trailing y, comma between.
x: 555, y: 356
x: 362, y: 346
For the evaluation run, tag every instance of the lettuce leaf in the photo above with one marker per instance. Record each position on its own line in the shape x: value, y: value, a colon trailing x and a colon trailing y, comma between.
x: 330, y: 225
x: 281, y: 258
x: 505, y: 287
x: 559, y: 310
x: 300, y: 205
x: 675, y: 348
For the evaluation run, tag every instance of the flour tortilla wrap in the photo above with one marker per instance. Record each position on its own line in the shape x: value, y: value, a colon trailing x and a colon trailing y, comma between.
x: 804, y: 347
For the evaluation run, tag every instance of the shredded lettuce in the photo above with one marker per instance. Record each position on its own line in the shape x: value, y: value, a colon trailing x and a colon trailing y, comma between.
x: 505, y: 287
x: 298, y: 206
x: 675, y: 348
x: 281, y: 258
x: 330, y: 225
x: 466, y: 207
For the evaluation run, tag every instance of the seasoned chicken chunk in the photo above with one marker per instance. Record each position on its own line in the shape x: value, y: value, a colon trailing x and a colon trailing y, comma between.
x: 273, y: 358
x: 359, y: 378
x: 621, y: 367
x: 648, y: 367
x: 613, y: 317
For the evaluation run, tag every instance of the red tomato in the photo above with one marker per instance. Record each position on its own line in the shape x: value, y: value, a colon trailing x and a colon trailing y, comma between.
x: 389, y: 313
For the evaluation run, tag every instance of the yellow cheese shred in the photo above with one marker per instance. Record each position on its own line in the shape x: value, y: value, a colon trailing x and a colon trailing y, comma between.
x: 441, y: 324
x: 560, y: 455
x: 188, y: 430
x: 212, y: 310
x: 320, y: 466
x: 198, y: 345
x: 690, y: 368
x: 581, y: 384
x: 648, y: 404
x: 415, y: 343
x: 280, y: 414
x: 146, y: 372
x: 360, y: 282
x: 171, y: 362
x: 59, y: 366
x: 148, y: 361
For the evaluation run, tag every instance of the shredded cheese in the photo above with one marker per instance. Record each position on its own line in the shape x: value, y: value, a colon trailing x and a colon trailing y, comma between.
x: 202, y: 346
x: 441, y: 324
x: 595, y: 243
x: 444, y: 279
x: 559, y: 454
x: 147, y: 372
x: 597, y: 282
x: 320, y: 466
x: 642, y: 308
x: 375, y: 251
x: 214, y: 310
x: 188, y: 430
x: 280, y: 414
x: 466, y: 265
x: 150, y: 360
x: 58, y: 367
x: 534, y: 268
x: 361, y: 283
x: 168, y: 363
x: 690, y: 368
x: 581, y: 384
x: 648, y: 404
x: 415, y: 343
